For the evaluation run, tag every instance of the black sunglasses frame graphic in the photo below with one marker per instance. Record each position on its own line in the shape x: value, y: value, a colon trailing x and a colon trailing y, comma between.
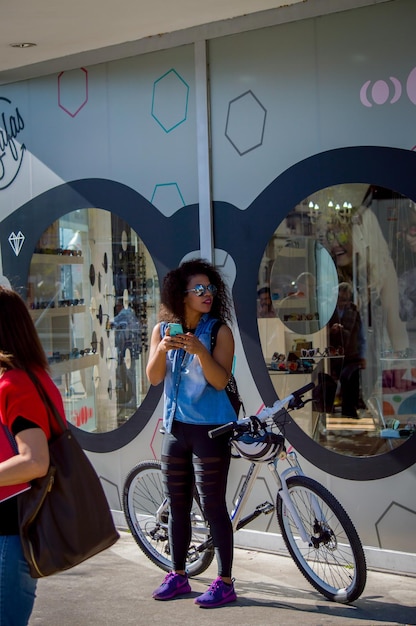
x: 252, y: 229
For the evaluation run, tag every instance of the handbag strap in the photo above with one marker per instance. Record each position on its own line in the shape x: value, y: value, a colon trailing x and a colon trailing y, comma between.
x: 46, y: 399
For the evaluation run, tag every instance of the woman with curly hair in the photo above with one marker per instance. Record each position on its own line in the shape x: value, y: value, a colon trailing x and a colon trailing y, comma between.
x: 195, y: 401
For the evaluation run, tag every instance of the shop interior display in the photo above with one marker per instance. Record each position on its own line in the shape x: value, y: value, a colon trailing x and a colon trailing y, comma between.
x: 328, y: 268
x: 88, y: 293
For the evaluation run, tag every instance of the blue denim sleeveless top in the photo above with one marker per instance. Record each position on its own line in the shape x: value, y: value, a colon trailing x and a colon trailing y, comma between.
x: 188, y: 397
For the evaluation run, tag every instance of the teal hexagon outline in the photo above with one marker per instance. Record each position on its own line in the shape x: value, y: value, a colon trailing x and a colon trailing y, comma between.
x: 167, y: 185
x: 168, y: 130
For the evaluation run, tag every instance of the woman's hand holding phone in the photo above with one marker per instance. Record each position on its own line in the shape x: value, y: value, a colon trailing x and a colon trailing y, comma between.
x: 175, y: 329
x: 176, y: 336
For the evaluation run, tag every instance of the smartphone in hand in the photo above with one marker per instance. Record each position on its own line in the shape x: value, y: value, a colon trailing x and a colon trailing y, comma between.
x: 175, y: 329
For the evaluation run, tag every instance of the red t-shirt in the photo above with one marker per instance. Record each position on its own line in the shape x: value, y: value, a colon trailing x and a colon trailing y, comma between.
x: 20, y: 398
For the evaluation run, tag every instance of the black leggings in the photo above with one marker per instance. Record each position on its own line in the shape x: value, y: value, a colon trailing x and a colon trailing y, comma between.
x: 190, y: 457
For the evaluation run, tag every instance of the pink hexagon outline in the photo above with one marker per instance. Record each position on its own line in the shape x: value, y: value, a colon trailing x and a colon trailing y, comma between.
x: 86, y: 93
x: 155, y: 433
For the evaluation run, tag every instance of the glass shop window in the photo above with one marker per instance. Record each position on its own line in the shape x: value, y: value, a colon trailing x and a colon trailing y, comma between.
x: 337, y: 305
x: 93, y: 293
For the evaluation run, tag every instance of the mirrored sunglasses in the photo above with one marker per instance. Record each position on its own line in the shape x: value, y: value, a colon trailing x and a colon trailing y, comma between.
x: 201, y: 290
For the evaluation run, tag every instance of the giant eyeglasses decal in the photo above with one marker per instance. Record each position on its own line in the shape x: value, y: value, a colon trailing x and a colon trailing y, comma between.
x: 252, y: 230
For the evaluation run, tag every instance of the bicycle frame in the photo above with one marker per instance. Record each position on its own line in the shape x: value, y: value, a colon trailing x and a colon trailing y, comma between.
x: 267, y: 507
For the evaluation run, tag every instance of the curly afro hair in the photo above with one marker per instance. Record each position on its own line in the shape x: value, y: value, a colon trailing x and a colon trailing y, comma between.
x: 175, y: 283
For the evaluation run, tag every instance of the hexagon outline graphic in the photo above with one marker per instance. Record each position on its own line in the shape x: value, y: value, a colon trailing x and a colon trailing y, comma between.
x: 153, y: 438
x: 114, y: 485
x: 392, y: 505
x: 154, y: 115
x: 159, y: 185
x: 82, y: 69
x: 259, y: 143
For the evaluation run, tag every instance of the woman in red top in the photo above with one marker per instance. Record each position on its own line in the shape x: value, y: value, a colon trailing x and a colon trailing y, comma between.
x: 23, y: 413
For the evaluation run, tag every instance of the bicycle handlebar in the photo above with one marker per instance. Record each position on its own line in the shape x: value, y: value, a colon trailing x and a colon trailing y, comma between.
x: 294, y: 400
x: 305, y: 389
x: 221, y: 430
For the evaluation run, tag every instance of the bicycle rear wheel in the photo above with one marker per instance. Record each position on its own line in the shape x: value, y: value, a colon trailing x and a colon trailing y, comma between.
x: 333, y: 561
x: 142, y: 498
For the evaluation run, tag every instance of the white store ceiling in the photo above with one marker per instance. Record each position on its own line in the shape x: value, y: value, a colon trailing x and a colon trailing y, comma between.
x: 72, y: 33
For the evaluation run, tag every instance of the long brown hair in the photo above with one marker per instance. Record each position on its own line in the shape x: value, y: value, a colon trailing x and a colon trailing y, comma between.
x: 20, y: 346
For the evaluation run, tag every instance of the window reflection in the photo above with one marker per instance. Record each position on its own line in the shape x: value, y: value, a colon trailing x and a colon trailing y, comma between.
x: 298, y: 276
x: 93, y: 294
x: 341, y: 270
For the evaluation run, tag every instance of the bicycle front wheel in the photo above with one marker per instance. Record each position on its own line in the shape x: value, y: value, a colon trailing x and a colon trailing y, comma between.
x: 147, y: 516
x: 333, y: 559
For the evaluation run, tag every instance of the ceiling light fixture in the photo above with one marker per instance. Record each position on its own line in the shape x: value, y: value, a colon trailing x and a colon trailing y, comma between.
x: 24, y: 44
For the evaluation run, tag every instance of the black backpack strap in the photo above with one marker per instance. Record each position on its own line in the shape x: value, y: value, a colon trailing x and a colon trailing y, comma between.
x: 214, y: 332
x: 231, y: 388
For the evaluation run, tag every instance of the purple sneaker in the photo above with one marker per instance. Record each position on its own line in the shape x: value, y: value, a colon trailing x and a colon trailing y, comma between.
x: 217, y: 594
x: 173, y: 585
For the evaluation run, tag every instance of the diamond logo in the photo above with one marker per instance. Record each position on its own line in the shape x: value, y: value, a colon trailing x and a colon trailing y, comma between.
x: 16, y: 241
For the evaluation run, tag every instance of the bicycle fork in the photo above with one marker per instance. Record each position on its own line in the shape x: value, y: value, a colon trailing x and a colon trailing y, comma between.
x: 283, y: 492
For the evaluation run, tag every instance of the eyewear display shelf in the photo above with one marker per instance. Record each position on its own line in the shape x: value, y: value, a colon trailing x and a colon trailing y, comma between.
x: 59, y: 320
x: 295, y: 313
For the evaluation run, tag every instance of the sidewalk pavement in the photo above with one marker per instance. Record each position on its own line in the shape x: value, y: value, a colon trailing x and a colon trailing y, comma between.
x: 114, y: 588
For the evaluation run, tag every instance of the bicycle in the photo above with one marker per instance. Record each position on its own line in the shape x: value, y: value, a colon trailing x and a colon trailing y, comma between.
x: 315, y: 527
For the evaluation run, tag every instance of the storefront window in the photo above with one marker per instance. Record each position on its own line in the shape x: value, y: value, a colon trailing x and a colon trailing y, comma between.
x: 339, y: 276
x: 93, y: 293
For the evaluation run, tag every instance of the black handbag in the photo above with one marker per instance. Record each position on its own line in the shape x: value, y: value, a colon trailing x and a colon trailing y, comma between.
x: 231, y: 388
x: 64, y: 518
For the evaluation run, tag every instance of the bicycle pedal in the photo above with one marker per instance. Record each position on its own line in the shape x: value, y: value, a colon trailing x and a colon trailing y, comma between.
x: 266, y: 508
x: 193, y: 554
